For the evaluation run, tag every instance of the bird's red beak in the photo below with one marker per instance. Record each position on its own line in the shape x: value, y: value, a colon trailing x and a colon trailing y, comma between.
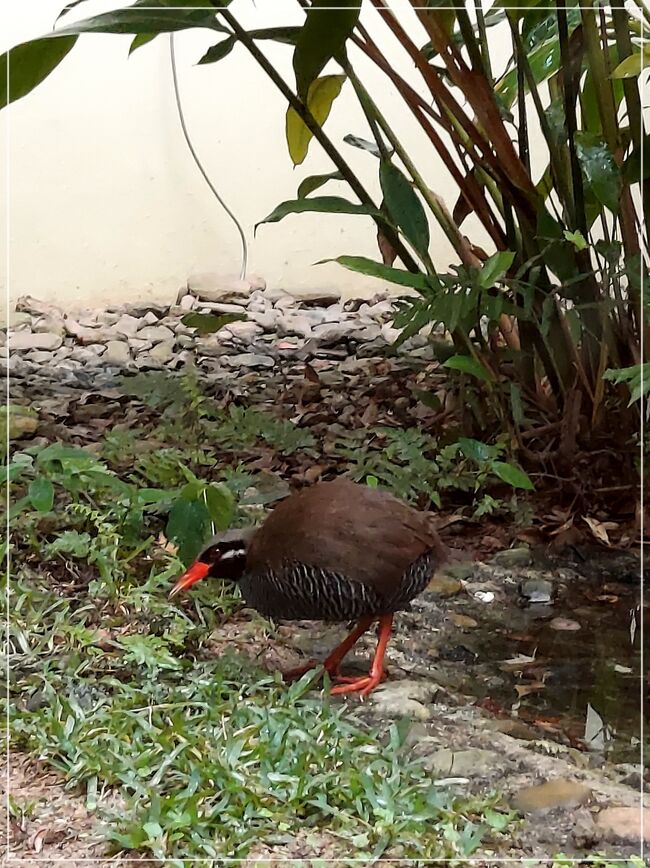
x: 192, y: 575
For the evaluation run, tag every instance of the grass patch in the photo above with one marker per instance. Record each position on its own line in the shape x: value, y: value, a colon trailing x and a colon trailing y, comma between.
x: 115, y: 687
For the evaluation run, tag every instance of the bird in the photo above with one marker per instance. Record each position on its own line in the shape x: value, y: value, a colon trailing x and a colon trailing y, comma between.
x: 334, y: 551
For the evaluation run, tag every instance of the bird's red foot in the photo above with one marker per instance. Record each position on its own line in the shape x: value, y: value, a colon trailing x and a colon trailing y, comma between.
x: 353, y: 679
x: 363, y: 686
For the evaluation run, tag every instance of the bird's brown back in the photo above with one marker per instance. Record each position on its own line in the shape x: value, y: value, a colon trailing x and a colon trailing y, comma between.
x: 362, y: 533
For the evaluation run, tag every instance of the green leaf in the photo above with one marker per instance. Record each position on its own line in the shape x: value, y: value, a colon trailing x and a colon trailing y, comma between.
x: 320, y: 97
x: 207, y: 324
x: 41, y: 494
x: 30, y: 63
x: 188, y: 526
x: 140, y: 40
x: 599, y: 168
x: 362, y: 265
x: 221, y: 505
x: 219, y: 51
x: 633, y: 65
x: 321, y: 204
x: 475, y: 449
x: 313, y: 182
x: 514, y: 476
x: 146, y: 20
x: 494, y: 268
x: 324, y: 33
x: 404, y: 206
x: 576, y: 238
x: 544, y: 62
x: 468, y: 365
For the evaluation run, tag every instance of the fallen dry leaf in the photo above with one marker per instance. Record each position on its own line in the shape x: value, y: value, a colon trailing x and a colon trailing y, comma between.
x: 564, y: 624
x: 599, y: 529
x: 524, y: 689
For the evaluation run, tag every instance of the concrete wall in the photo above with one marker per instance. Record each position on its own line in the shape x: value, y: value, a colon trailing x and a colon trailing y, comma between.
x: 104, y: 202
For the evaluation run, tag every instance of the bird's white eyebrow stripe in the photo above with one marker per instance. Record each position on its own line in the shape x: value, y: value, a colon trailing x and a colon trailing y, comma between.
x: 232, y: 553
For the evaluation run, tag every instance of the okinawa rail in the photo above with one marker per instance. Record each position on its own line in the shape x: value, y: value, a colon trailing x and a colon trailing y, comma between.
x: 336, y: 551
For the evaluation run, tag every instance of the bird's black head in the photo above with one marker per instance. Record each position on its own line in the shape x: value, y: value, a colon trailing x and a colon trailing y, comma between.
x: 224, y: 557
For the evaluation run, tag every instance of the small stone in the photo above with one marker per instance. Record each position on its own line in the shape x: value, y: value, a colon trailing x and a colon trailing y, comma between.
x: 460, y: 571
x: 294, y: 325
x: 20, y: 318
x: 405, y: 699
x: 150, y: 318
x: 143, y: 308
x: 460, y: 763
x: 40, y: 357
x: 87, y: 355
x: 251, y: 360
x: 311, y: 295
x: 537, y: 590
x: 210, y: 286
x: 127, y: 325
x: 243, y: 331
x: 162, y: 353
x: 625, y: 824
x: 266, y: 319
x: 33, y: 341
x: 333, y: 333
x: 367, y: 333
x: 444, y: 586
x: 517, y: 557
x: 51, y: 324
x: 187, y: 302
x: 222, y: 307
x: 558, y: 793
x: 117, y: 354
x: 86, y: 335
x: 513, y: 728
x: 156, y: 334
x: 29, y: 304
x: 210, y: 346
x: 389, y: 333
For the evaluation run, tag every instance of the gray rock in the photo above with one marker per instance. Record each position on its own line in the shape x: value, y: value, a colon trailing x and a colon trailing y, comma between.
x: 473, y: 762
x: 251, y: 360
x: 389, y: 333
x: 537, y: 590
x: 150, y: 318
x: 127, y: 325
x: 162, y: 353
x: 210, y: 346
x: 517, y: 557
x: 332, y: 333
x: 117, y: 353
x: 266, y: 319
x: 34, y: 341
x: 405, y: 699
x: 86, y: 335
x: 88, y: 355
x: 210, y: 286
x: 156, y: 334
x: 242, y: 331
x: 368, y: 333
x: 40, y: 357
x: 142, y: 308
x: 187, y: 302
x: 311, y: 295
x: 50, y: 324
x: 29, y: 304
x: 20, y: 318
x: 222, y: 307
x: 294, y: 325
x: 139, y: 346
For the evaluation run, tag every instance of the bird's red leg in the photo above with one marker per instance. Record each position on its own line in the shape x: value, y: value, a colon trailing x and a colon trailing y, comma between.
x: 333, y: 661
x: 368, y: 683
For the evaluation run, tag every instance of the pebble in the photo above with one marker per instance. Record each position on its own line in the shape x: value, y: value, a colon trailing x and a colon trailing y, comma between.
x: 35, y: 341
x: 117, y: 353
x: 537, y: 590
x: 156, y: 334
x: 473, y: 761
x: 517, y: 557
x: 625, y: 824
x: 307, y: 325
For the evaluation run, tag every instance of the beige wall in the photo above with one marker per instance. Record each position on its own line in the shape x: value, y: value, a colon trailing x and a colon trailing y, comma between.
x: 104, y: 201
